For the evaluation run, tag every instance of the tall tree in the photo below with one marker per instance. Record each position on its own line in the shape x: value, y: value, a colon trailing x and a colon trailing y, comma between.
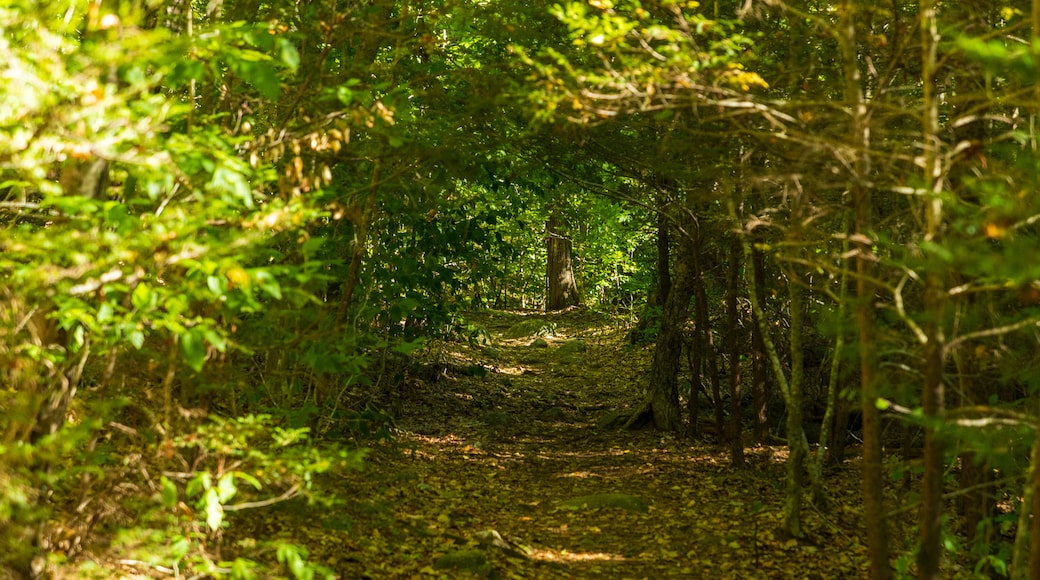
x: 735, y: 344
x: 930, y: 554
x: 864, y: 263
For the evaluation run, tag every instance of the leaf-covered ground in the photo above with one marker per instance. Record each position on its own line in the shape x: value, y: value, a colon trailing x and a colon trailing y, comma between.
x: 507, y: 475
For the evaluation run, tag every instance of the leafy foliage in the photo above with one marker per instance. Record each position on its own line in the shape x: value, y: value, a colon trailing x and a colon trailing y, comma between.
x: 231, y: 232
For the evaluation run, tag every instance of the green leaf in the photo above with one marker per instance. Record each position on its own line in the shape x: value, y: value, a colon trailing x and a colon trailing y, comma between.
x: 262, y: 76
x: 294, y: 558
x: 226, y: 487
x: 215, y: 283
x: 197, y: 484
x: 194, y: 348
x: 242, y: 568
x: 214, y: 510
x: 344, y: 94
x: 249, y: 479
x: 268, y: 283
x: 215, y: 339
x: 141, y: 297
x: 288, y: 53
x: 168, y: 492
x: 180, y: 547
x: 136, y: 338
x: 407, y: 348
x: 403, y: 307
x: 311, y: 246
x: 105, y: 313
x: 227, y: 180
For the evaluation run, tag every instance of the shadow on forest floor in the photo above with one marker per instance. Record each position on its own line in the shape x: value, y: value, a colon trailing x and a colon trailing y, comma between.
x: 507, y: 475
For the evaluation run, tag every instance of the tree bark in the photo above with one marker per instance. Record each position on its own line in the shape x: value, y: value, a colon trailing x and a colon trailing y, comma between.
x: 976, y: 478
x: 930, y: 551
x: 833, y: 394
x: 363, y: 215
x: 873, y: 476
x: 664, y: 372
x: 562, y: 289
x: 759, y: 371
x: 736, y: 445
x: 798, y: 447
x: 1030, y: 540
x: 701, y: 332
x: 664, y: 259
x: 795, y: 404
x: 704, y: 325
x: 1023, y: 553
x: 1034, y: 528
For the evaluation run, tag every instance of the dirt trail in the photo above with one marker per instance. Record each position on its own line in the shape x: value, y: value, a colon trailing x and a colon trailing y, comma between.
x: 507, y: 475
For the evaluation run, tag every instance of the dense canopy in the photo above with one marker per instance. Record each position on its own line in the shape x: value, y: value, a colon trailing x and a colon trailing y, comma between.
x: 250, y: 247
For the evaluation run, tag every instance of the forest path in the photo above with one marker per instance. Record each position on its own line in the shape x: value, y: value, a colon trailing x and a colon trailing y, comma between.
x: 507, y: 475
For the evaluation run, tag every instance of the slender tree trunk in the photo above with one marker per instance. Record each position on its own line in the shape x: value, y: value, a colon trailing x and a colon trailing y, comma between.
x: 873, y: 456
x: 759, y: 370
x: 798, y: 447
x: 364, y: 216
x: 693, y: 400
x: 873, y: 476
x: 1034, y: 509
x: 1026, y: 551
x: 1027, y: 539
x: 795, y: 404
x: 837, y: 404
x: 840, y: 434
x: 563, y: 290
x: 736, y: 445
x: 715, y: 377
x: 977, y: 504
x: 664, y: 258
x: 700, y: 333
x: 819, y: 493
x: 704, y: 323
x: 930, y: 554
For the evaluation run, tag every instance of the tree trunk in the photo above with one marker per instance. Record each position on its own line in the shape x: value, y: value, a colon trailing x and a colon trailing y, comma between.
x: 1034, y: 529
x: 759, y: 371
x: 930, y: 555
x: 1027, y: 539
x: 1025, y: 555
x: 363, y: 215
x: 714, y: 376
x: 840, y: 433
x: 798, y: 447
x: 736, y: 445
x: 695, y: 360
x: 873, y: 456
x: 704, y: 324
x: 930, y: 551
x: 833, y: 396
x: 795, y: 404
x: 664, y: 373
x: 978, y: 503
x: 873, y: 476
x: 562, y: 290
x: 700, y: 333
x: 664, y: 259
